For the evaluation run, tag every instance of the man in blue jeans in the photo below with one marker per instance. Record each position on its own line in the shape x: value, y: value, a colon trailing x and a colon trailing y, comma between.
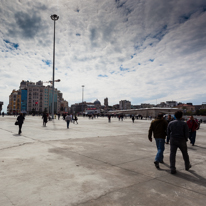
x: 159, y: 128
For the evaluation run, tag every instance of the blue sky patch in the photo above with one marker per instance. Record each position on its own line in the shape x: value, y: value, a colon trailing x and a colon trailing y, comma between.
x: 11, y: 45
x: 123, y: 69
x: 184, y: 18
x: 100, y: 75
x: 161, y: 33
x: 47, y: 62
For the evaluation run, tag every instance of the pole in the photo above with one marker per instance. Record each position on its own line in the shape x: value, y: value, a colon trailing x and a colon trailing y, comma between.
x: 53, y: 74
x: 82, y: 97
x: 54, y: 17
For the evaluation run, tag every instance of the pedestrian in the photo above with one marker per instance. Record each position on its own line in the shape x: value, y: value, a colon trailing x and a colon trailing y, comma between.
x: 159, y: 128
x: 68, y: 119
x: 109, y: 118
x: 178, y: 134
x: 193, y: 126
x: 169, y: 119
x: 58, y: 116
x: 20, y: 120
x: 133, y: 119
x: 44, y: 117
x: 75, y: 119
x: 2, y: 114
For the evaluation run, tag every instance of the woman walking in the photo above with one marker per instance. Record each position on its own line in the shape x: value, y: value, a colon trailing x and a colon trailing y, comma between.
x: 20, y: 120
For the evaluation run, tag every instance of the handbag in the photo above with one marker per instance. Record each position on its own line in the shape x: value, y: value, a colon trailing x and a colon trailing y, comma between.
x: 16, y: 123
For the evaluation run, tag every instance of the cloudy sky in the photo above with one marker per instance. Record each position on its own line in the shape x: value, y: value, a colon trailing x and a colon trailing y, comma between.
x: 144, y: 51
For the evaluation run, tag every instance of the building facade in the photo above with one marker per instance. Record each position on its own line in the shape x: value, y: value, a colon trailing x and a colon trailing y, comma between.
x: 124, y: 104
x: 14, y: 106
x: 106, y: 102
x: 35, y: 97
x: 1, y: 103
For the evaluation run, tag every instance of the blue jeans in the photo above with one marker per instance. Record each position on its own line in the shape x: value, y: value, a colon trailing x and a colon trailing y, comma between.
x: 160, y: 143
x: 68, y: 123
x: 192, y: 137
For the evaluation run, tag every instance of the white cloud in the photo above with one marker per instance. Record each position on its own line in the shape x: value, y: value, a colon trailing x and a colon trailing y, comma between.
x: 135, y: 50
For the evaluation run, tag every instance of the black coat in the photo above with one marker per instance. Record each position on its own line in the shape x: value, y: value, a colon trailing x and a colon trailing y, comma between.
x: 20, y: 119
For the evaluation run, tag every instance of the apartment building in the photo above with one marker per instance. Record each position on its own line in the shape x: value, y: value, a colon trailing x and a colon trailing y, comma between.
x: 124, y: 104
x: 14, y: 106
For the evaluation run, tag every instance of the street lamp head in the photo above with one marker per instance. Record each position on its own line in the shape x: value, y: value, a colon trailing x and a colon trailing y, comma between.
x: 54, y: 17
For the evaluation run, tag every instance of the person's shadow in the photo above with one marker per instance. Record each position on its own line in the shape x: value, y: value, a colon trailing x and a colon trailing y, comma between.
x: 191, y: 176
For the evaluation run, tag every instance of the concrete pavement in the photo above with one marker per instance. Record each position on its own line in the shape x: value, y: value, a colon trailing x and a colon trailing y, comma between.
x: 94, y: 163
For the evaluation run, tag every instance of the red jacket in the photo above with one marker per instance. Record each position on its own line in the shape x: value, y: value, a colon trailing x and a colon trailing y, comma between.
x: 193, y: 125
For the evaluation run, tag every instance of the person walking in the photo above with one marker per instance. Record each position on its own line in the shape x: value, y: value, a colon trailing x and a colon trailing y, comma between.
x: 133, y: 118
x: 75, y: 119
x: 193, y: 125
x: 109, y: 118
x: 159, y: 128
x: 58, y: 116
x: 68, y: 119
x: 44, y: 117
x: 169, y: 119
x: 20, y: 120
x: 178, y: 134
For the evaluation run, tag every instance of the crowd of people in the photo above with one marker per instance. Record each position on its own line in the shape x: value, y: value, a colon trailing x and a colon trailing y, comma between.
x: 165, y: 130
x: 176, y: 132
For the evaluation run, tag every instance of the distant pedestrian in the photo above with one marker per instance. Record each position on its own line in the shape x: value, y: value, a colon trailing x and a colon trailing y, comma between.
x: 109, y: 118
x: 20, y: 120
x: 193, y: 126
x: 2, y: 114
x: 44, y: 117
x: 58, y: 116
x: 178, y: 134
x: 133, y: 119
x: 75, y: 119
x: 158, y: 127
x: 68, y: 119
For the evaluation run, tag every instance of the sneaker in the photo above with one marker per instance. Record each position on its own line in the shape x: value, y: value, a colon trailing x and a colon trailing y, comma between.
x: 173, y: 172
x: 162, y: 162
x: 157, y: 164
x: 187, y: 168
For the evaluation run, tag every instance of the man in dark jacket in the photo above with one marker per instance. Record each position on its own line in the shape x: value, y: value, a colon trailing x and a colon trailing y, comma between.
x: 178, y: 133
x: 20, y: 120
x: 158, y: 127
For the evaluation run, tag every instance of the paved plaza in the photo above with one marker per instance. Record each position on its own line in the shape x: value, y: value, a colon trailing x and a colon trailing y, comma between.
x: 94, y: 163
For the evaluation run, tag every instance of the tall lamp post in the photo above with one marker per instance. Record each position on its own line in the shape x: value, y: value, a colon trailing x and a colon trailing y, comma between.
x: 54, y: 17
x: 82, y: 97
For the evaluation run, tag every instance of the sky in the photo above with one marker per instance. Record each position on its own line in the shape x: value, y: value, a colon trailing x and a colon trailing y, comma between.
x: 144, y: 51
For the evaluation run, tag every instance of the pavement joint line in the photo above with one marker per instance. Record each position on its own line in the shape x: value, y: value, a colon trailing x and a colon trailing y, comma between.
x: 8, y: 198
